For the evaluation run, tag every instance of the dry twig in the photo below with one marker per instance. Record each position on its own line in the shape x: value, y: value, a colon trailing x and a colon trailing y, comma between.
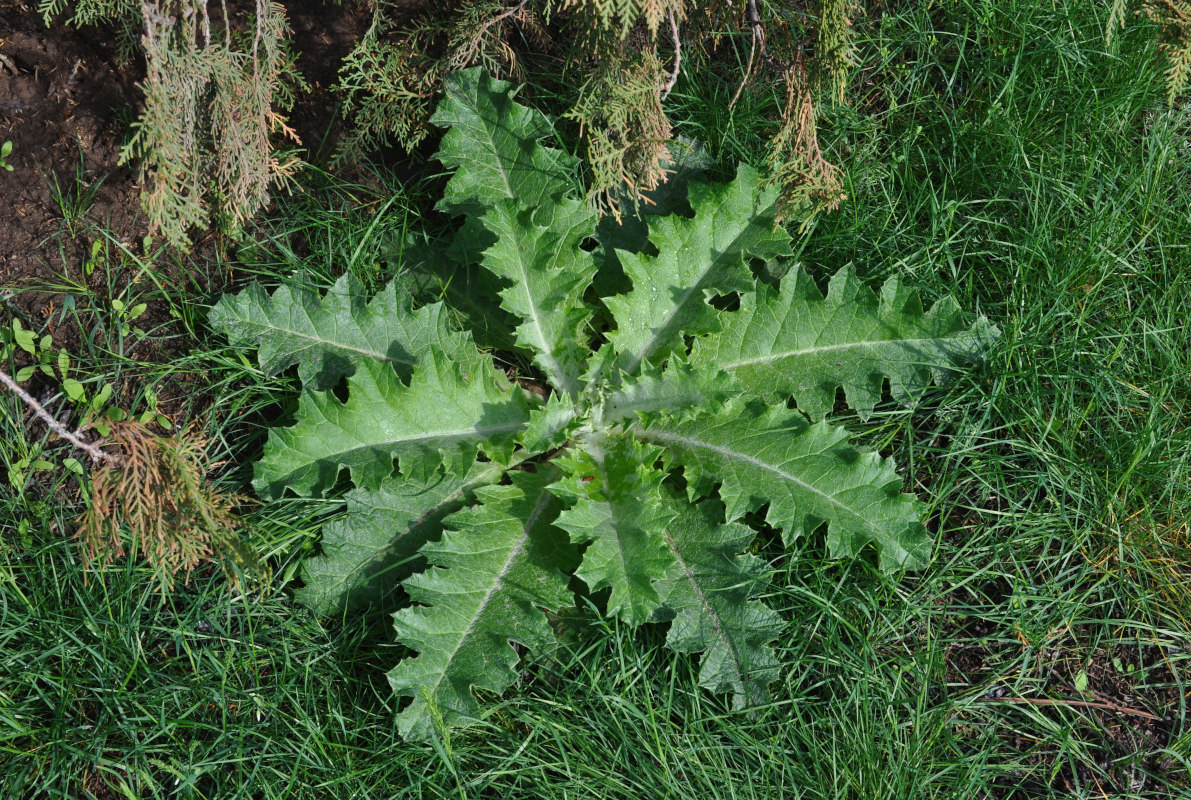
x: 472, y: 46
x: 758, y: 37
x: 57, y: 427
x: 677, y: 58
x: 1046, y: 701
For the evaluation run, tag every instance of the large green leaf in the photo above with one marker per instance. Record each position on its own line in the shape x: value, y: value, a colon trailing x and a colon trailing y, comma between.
x: 493, y: 144
x: 686, y: 162
x: 697, y: 259
x: 807, y: 474
x: 800, y: 344
x: 618, y: 511
x: 326, y: 334
x: 448, y: 269
x: 447, y: 412
x: 495, y: 570
x: 537, y: 251
x: 373, y: 545
x: 709, y: 589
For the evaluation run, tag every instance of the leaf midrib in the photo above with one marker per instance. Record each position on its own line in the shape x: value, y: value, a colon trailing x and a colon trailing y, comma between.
x: 745, y: 362
x: 547, y: 348
x: 719, y: 254
x: 614, y: 517
x: 337, y: 345
x: 664, y: 436
x: 341, y: 580
x: 518, y: 547
x: 490, y: 138
x: 460, y: 433
x: 717, y: 625
x: 658, y: 332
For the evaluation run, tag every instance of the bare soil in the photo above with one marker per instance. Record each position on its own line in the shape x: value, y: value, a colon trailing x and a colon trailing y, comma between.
x: 64, y: 104
x: 67, y: 101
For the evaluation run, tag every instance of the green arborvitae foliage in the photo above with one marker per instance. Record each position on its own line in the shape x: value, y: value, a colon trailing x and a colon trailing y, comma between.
x: 1173, y: 18
x: 619, y: 62
x: 483, y: 497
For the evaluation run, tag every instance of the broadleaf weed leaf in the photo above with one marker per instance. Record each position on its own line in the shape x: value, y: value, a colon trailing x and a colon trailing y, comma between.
x: 483, y: 491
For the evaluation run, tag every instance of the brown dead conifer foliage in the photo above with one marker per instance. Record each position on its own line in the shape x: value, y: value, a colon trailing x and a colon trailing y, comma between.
x: 156, y: 489
x: 809, y: 183
x: 1173, y: 18
x: 204, y: 140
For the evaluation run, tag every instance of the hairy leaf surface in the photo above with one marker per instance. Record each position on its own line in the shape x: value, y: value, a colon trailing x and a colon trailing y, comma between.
x: 616, y: 505
x: 808, y: 474
x: 799, y: 343
x: 495, y: 570
x: 697, y: 258
x: 676, y: 389
x: 374, y: 545
x: 709, y: 590
x: 445, y: 413
x: 326, y: 334
x: 537, y: 251
x: 494, y: 145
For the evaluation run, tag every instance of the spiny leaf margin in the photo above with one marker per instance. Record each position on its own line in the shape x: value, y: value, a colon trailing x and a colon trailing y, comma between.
x: 799, y: 343
x: 493, y: 575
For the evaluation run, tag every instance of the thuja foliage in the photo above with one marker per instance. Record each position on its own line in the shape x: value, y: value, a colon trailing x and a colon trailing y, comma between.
x: 666, y: 437
x: 204, y: 138
x: 123, y: 15
x: 156, y: 487
x: 619, y: 61
x: 1173, y: 20
x: 214, y: 99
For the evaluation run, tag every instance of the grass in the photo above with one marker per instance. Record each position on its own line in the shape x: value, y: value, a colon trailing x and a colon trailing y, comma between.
x: 997, y: 152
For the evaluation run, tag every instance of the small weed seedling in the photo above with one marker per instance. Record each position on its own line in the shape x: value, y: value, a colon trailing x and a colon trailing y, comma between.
x: 94, y: 408
x: 5, y: 152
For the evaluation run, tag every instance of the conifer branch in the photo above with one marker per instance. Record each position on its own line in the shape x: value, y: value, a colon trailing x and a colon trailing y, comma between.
x: 56, y: 426
x: 474, y: 45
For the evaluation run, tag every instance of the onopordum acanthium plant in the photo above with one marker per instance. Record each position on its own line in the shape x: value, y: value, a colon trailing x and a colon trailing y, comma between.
x: 668, y: 420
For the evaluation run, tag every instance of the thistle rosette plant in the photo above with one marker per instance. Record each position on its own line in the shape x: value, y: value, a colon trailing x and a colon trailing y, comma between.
x: 667, y: 421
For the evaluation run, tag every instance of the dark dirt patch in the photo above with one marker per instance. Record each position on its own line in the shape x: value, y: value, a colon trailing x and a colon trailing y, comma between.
x: 1121, y: 701
x: 64, y: 104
